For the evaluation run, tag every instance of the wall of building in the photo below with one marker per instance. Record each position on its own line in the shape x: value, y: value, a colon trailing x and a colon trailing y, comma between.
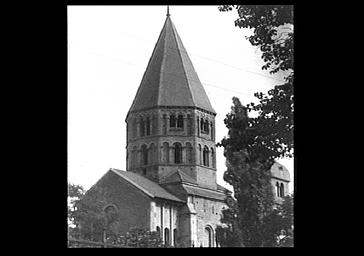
x: 133, y: 206
x: 208, y: 215
x: 164, y: 215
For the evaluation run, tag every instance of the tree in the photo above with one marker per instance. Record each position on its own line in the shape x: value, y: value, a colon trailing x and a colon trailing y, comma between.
x: 253, y: 144
x: 249, y: 161
x: 272, y: 27
x: 75, y: 193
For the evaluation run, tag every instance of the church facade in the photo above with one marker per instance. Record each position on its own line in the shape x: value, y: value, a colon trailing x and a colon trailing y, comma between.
x: 169, y: 185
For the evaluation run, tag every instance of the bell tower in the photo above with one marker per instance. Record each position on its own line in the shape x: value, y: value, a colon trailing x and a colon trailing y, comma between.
x: 171, y: 123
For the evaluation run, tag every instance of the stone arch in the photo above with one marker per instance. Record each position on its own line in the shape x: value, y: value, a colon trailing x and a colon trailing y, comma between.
x: 209, y: 236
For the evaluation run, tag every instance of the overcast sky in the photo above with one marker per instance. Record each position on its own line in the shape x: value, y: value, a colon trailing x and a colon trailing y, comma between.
x: 108, y: 51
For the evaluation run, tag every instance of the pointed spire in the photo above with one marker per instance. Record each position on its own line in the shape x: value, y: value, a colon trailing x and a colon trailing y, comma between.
x: 170, y: 79
x: 168, y: 11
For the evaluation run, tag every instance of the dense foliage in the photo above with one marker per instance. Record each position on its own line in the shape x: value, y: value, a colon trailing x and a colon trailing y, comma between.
x: 254, y: 143
x: 272, y: 27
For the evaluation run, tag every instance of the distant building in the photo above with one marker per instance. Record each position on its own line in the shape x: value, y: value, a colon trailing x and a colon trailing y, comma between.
x: 169, y: 185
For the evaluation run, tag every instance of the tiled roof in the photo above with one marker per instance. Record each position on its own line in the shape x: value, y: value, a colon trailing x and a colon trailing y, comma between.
x: 170, y: 78
x: 147, y: 186
x: 178, y: 176
x: 214, y: 194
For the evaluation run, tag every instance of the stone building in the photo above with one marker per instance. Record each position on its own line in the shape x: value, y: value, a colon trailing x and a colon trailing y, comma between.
x: 170, y: 184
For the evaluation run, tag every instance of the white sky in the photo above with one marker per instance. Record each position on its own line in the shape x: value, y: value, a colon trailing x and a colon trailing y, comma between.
x: 108, y: 51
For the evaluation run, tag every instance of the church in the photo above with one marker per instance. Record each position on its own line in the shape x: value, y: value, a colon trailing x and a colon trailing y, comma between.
x: 169, y: 185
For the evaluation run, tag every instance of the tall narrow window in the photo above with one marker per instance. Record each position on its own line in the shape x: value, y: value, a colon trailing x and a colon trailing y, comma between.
x: 201, y: 124
x: 175, y: 237
x: 206, y: 126
x: 278, y: 189
x: 141, y: 127
x: 206, y: 156
x: 166, y: 236
x: 177, y: 153
x: 147, y: 125
x: 282, y: 190
x: 165, y: 155
x: 212, y: 158
x: 200, y: 153
x: 180, y: 121
x: 172, y: 121
x: 212, y: 131
x: 208, y: 233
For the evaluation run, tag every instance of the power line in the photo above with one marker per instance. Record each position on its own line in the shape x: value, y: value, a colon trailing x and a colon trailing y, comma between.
x: 174, y: 74
x: 209, y: 59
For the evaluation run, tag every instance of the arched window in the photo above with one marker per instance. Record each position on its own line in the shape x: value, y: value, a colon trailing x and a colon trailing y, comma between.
x: 172, y: 121
x: 141, y: 127
x: 212, y: 131
x: 278, y: 190
x: 177, y: 153
x: 206, y: 156
x: 147, y: 124
x: 175, y: 237
x: 200, y: 153
x: 165, y: 156
x: 166, y: 236
x: 180, y: 121
x: 206, y: 126
x: 212, y: 158
x: 111, y: 213
x: 188, y: 153
x: 282, y: 190
x: 158, y: 230
x: 209, y: 236
x: 144, y: 151
x: 201, y: 125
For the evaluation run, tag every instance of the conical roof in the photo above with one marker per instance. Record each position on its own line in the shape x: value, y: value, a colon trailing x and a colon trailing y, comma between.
x: 170, y: 79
